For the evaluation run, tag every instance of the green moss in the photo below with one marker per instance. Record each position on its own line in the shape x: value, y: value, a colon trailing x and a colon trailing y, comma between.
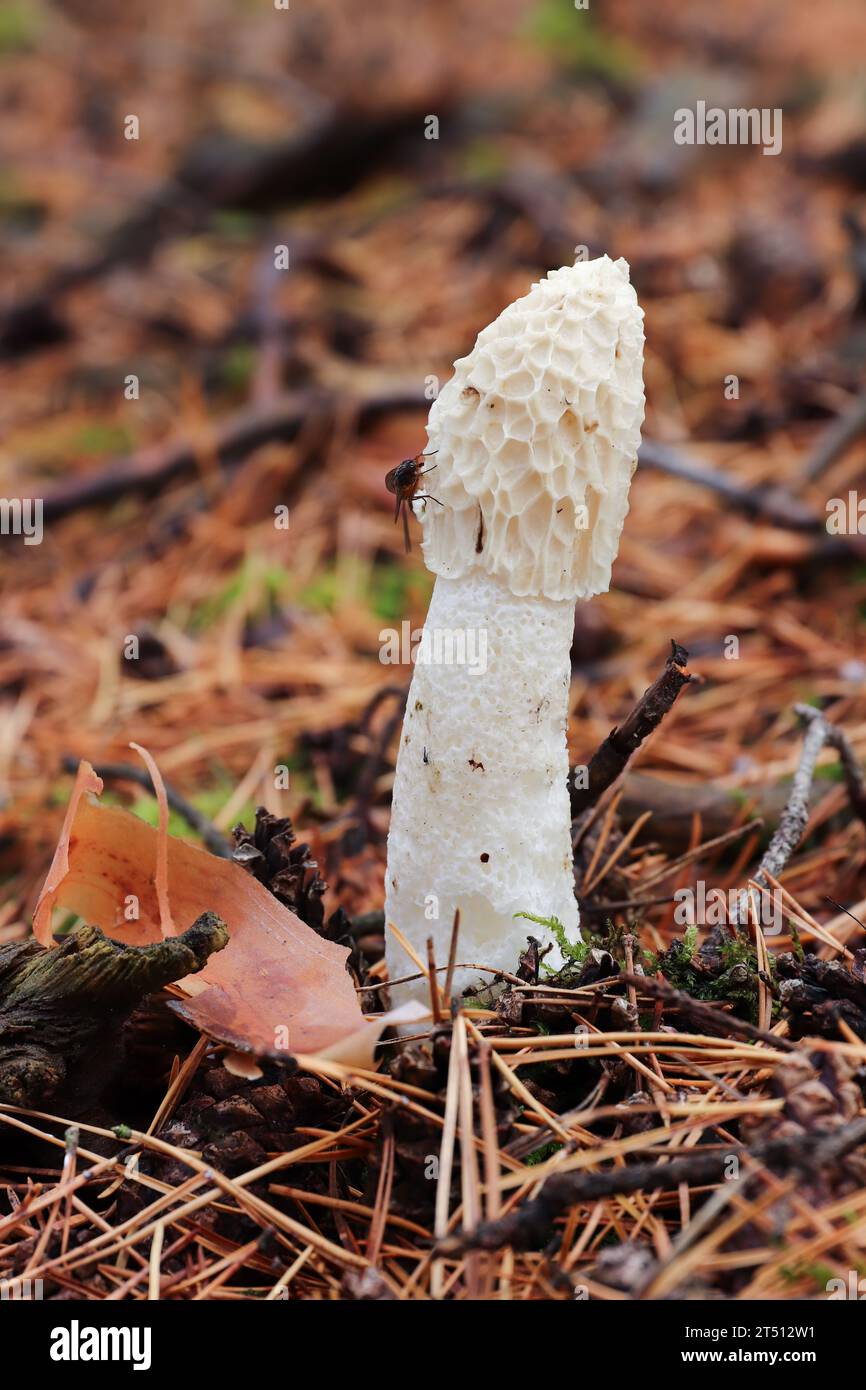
x: 579, y: 45
x: 321, y: 594
x: 545, y: 1152
x: 20, y: 25
x: 738, y: 950
x: 99, y: 438
x: 234, y: 224
x: 679, y: 967
x: 574, y: 951
x: 830, y: 772
x: 391, y: 592
x: 272, y: 581
x: 389, y: 595
x: 209, y: 802
x: 237, y: 366
x: 483, y: 161
x: 819, y: 1273
x: 676, y: 963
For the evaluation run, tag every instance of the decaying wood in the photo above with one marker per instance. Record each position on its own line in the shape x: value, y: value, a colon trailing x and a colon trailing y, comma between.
x: 674, y: 806
x: 61, y: 1009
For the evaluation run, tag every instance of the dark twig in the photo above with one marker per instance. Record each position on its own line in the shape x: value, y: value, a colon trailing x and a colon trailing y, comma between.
x: 714, y: 1021
x: 836, y: 439
x: 774, y: 504
x: 339, y: 148
x: 152, y: 467
x: 375, y: 759
x: 531, y: 1222
x: 613, y: 755
x: 355, y: 818
x: 127, y: 772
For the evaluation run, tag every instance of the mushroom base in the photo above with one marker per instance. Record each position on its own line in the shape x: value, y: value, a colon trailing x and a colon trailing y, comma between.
x: 481, y: 818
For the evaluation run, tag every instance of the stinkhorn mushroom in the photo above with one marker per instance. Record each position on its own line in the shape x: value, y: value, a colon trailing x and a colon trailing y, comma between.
x: 535, y: 439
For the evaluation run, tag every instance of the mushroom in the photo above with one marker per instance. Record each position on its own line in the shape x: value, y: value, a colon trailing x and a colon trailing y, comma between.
x: 534, y: 440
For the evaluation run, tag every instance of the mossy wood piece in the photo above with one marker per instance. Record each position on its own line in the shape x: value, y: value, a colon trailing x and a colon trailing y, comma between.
x: 62, y: 1009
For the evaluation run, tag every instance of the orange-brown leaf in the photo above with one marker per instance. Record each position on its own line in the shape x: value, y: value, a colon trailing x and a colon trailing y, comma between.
x: 277, y: 986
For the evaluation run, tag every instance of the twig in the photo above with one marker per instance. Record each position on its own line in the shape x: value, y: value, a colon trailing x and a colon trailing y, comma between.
x: 853, y: 772
x: 530, y: 1222
x: 328, y: 157
x: 775, y: 504
x: 795, y: 816
x: 357, y: 814
x: 150, y: 468
x: 612, y: 757
x: 707, y: 1015
x: 452, y: 957
x: 836, y: 438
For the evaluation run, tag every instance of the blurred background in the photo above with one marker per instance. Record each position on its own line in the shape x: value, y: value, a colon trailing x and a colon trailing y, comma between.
x: 241, y: 245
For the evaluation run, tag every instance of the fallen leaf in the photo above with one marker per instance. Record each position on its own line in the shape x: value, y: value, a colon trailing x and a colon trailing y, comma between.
x: 277, y: 987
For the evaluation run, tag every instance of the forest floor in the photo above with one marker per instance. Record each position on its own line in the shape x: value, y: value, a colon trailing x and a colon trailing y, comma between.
x: 693, y: 1103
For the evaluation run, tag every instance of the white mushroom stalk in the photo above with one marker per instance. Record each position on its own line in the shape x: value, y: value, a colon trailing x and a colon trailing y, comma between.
x: 535, y: 439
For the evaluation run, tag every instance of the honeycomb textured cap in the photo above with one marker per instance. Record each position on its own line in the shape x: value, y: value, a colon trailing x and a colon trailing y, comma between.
x: 536, y: 437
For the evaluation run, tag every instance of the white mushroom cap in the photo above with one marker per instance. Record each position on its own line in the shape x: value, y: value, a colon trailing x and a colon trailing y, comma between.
x: 536, y: 437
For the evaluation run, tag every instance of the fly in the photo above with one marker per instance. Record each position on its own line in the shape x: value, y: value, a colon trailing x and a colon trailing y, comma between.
x: 404, y: 481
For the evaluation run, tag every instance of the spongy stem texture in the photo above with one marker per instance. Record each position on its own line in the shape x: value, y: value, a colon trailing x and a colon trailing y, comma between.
x: 480, y: 816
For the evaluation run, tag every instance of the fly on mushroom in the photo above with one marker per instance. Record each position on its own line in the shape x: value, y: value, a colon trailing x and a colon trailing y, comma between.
x: 404, y: 481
